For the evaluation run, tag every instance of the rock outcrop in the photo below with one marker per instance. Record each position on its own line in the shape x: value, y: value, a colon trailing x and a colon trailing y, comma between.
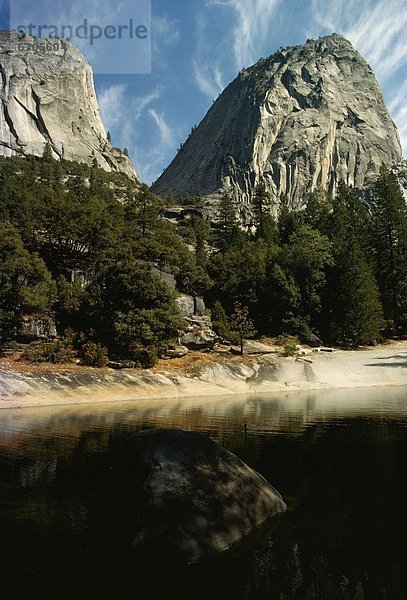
x: 297, y: 121
x: 47, y: 95
x: 198, y: 333
x: 191, y: 497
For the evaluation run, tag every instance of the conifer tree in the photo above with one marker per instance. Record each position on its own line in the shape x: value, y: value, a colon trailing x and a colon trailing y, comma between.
x: 287, y: 221
x: 47, y: 153
x: 357, y: 310
x: 353, y: 300
x: 316, y: 213
x: 263, y: 219
x: 389, y: 241
x: 228, y: 229
x: 241, y: 322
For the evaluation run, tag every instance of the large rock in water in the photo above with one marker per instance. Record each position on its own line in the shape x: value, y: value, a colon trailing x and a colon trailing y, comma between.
x: 191, y: 498
x: 49, y: 96
x: 297, y: 121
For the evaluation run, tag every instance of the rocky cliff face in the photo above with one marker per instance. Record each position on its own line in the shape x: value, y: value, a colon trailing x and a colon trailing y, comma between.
x: 47, y: 95
x: 297, y: 121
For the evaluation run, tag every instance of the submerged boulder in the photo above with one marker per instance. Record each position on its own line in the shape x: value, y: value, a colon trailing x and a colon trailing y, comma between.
x: 191, y: 498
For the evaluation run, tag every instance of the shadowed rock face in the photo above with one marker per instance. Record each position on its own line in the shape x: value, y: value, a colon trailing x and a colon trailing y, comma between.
x: 49, y: 96
x: 191, y: 497
x: 297, y: 121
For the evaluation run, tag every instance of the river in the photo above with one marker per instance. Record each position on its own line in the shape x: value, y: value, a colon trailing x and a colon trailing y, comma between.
x: 338, y: 458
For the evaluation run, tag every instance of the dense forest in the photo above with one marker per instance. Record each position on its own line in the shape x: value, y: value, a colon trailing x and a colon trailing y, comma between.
x: 80, y: 247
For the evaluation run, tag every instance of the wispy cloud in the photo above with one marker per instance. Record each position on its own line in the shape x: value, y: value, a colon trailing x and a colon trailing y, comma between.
x: 150, y: 163
x: 122, y: 113
x: 166, y: 35
x: 244, y: 32
x: 253, y: 20
x: 111, y: 105
x: 208, y: 77
x: 205, y: 64
x: 166, y: 133
x: 166, y: 31
x: 377, y: 28
x: 398, y: 110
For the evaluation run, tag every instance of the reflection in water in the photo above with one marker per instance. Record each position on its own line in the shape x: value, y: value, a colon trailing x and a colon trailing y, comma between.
x: 338, y: 458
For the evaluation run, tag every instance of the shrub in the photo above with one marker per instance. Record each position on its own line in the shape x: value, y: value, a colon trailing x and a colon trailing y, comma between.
x: 288, y: 344
x: 145, y: 357
x: 93, y: 354
x: 10, y: 345
x: 57, y: 352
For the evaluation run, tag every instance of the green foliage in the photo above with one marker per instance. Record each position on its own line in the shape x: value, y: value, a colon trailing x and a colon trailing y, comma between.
x: 389, y: 241
x: 47, y: 153
x: 77, y: 244
x: 317, y: 211
x: 356, y: 315
x: 221, y: 325
x: 219, y: 320
x: 26, y: 286
x: 227, y: 232
x: 306, y: 257
x: 93, y: 354
x: 132, y: 310
x: 241, y: 323
x: 263, y: 220
x: 287, y: 222
x: 288, y: 345
x: 349, y: 221
x: 57, y: 352
x: 71, y: 236
x: 239, y: 273
x: 144, y: 210
x: 356, y: 308
x: 201, y: 230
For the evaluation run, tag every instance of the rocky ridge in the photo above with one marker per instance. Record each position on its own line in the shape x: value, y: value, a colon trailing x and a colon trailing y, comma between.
x: 47, y: 94
x: 297, y: 121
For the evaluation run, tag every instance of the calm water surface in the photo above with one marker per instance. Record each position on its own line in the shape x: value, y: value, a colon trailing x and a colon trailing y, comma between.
x: 338, y: 459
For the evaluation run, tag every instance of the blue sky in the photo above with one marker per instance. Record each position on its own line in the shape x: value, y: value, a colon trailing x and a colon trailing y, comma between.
x: 199, y: 46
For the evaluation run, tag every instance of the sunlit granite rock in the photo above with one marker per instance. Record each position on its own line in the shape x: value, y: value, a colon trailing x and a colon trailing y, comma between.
x: 300, y: 120
x: 47, y: 95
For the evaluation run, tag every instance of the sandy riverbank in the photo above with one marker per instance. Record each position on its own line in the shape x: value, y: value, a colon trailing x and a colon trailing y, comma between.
x: 207, y: 375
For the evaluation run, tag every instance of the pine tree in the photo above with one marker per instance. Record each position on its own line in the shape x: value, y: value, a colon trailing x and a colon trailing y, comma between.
x: 228, y: 229
x: 241, y: 322
x: 47, y: 153
x: 263, y: 219
x: 316, y: 213
x: 145, y: 210
x: 349, y: 218
x: 354, y: 312
x: 389, y: 241
x: 357, y: 310
x: 26, y: 286
x: 220, y: 321
x: 47, y: 165
x: 287, y: 221
x: 201, y: 230
x: 306, y: 258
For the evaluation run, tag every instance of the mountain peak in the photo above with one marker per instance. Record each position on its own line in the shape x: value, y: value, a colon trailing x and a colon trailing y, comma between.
x: 300, y: 120
x: 47, y: 94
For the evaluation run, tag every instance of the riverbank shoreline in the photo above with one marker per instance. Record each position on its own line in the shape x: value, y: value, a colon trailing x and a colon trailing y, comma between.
x: 206, y: 375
